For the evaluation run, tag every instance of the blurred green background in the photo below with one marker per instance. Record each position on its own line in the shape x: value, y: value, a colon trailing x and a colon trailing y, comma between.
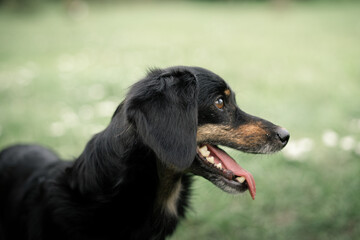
x: 64, y: 67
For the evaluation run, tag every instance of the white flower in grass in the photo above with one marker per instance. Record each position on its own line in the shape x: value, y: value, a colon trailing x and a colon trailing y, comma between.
x: 357, y: 149
x: 25, y: 76
x: 96, y: 92
x: 306, y: 144
x: 330, y: 138
x: 57, y: 129
x: 347, y: 143
x: 86, y: 112
x: 66, y: 63
x: 296, y: 149
x: 83, y: 61
x: 70, y: 118
x: 106, y: 108
x: 355, y: 124
x: 95, y: 128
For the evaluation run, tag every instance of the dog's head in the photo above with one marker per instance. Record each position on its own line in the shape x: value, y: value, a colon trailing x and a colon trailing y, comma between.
x: 184, y: 113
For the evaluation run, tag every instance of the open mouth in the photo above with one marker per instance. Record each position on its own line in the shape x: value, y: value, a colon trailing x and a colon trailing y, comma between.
x: 225, y: 169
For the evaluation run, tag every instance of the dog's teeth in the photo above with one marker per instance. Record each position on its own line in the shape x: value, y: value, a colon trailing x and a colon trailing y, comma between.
x: 218, y: 166
x: 203, y: 150
x: 210, y: 159
x: 240, y: 179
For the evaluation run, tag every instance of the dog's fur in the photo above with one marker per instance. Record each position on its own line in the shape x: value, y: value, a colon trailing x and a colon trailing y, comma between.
x: 132, y: 181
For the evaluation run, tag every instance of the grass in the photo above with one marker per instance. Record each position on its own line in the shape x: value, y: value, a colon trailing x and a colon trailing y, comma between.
x: 62, y: 75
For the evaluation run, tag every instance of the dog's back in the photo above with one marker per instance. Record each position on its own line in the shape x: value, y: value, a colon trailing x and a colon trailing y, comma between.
x: 19, y: 164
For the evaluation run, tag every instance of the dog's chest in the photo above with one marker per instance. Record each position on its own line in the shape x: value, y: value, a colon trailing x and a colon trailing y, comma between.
x: 171, y: 203
x: 168, y: 197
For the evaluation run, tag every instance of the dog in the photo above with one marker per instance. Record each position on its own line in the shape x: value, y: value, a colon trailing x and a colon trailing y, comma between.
x: 133, y: 179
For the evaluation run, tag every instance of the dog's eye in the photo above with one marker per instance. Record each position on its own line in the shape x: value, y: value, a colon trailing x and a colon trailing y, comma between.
x: 219, y: 103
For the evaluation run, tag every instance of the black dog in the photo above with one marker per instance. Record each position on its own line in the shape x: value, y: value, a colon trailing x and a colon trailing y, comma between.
x: 132, y: 180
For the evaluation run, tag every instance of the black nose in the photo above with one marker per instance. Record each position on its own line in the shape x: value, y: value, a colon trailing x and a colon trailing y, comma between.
x: 283, y: 135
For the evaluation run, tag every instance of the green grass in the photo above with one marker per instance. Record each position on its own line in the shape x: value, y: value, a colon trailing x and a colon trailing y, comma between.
x: 61, y: 77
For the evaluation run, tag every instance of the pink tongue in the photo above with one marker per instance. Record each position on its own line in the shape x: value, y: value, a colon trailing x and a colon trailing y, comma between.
x: 230, y: 164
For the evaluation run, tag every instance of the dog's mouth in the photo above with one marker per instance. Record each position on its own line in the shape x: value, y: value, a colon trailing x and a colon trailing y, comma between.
x: 218, y: 167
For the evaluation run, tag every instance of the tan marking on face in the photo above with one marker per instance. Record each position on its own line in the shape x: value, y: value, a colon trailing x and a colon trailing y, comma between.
x: 227, y: 92
x: 247, y: 136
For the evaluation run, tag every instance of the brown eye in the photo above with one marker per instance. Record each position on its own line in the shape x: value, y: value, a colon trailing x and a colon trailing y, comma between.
x: 219, y: 103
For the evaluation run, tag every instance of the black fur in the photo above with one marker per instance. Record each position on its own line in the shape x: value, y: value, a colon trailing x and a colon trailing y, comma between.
x: 132, y: 181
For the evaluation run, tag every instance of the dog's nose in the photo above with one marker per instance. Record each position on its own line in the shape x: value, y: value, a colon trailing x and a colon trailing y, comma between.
x: 283, y: 135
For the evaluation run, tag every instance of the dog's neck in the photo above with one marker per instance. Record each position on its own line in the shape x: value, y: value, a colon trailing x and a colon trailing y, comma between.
x: 100, y: 167
x: 113, y: 174
x: 169, y: 190
x: 104, y: 166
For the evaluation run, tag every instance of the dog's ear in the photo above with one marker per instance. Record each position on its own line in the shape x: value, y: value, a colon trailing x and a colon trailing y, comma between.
x: 163, y: 108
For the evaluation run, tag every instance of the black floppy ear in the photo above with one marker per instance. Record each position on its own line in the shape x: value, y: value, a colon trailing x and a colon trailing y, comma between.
x: 163, y: 107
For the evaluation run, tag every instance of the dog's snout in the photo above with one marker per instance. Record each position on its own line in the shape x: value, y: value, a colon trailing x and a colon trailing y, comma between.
x: 283, y: 135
